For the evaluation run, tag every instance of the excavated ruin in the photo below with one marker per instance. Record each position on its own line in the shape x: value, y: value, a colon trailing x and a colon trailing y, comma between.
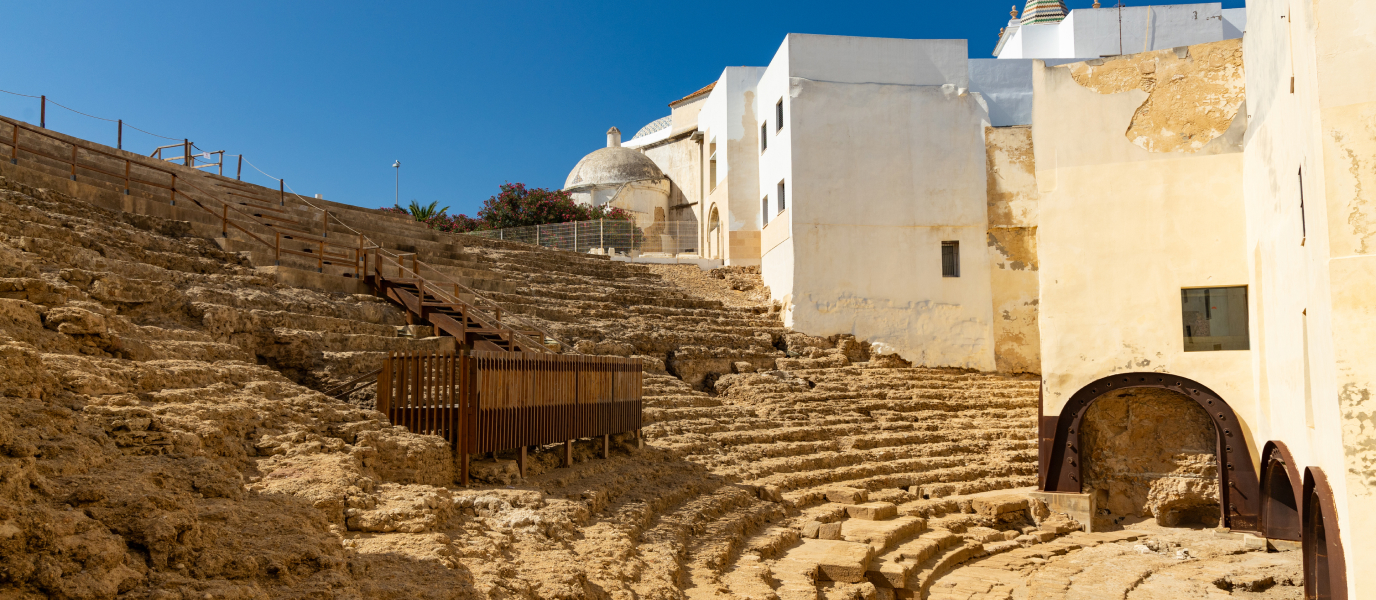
x: 165, y: 435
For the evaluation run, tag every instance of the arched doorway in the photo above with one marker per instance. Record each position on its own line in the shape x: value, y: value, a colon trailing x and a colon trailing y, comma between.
x: 1280, y: 493
x: 1237, y: 480
x: 714, y: 234
x: 1325, y: 567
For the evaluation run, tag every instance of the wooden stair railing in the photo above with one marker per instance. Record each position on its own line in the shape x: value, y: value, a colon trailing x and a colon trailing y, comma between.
x: 447, y: 313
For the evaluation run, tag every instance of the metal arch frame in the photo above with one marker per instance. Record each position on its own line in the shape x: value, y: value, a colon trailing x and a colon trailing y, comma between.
x: 1274, y: 452
x: 1316, y: 486
x: 1238, y: 484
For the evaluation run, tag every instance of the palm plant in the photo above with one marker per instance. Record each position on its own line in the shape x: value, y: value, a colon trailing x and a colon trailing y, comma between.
x: 425, y: 213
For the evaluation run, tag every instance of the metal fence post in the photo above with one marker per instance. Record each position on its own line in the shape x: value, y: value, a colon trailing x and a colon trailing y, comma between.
x: 186, y: 152
x: 43, y: 111
x: 601, y: 234
x: 537, y: 235
x: 119, y: 141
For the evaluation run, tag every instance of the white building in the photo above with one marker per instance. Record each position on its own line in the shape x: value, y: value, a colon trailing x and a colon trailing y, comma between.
x: 853, y: 170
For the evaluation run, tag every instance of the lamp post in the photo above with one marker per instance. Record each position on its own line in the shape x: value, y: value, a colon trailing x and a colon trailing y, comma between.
x: 397, y: 165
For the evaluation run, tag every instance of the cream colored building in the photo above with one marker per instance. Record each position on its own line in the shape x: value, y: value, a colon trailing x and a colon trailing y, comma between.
x: 1205, y: 238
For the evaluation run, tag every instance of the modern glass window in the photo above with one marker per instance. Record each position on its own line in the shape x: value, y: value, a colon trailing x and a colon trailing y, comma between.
x: 1214, y: 318
x: 779, y: 115
x: 764, y: 137
x: 950, y: 259
x: 764, y: 209
x: 782, y: 203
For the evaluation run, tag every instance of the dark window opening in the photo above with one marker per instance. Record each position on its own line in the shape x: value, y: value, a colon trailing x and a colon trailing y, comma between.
x: 764, y: 138
x: 764, y: 210
x: 1304, y: 228
x: 782, y: 202
x: 950, y: 259
x: 779, y: 115
x: 1214, y: 318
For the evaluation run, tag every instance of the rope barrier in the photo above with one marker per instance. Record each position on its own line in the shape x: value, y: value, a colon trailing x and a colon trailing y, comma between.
x: 18, y: 94
x: 60, y: 105
x: 55, y: 103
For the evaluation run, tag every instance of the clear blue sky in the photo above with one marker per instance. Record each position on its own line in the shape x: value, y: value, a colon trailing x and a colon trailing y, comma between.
x: 466, y: 94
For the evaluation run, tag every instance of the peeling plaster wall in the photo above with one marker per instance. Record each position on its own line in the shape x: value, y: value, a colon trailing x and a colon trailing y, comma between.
x: 1122, y: 229
x: 1012, y: 248
x: 728, y: 117
x: 1315, y: 271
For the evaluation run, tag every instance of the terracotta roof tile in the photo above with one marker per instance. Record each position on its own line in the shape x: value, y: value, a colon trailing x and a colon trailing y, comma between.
x: 694, y: 94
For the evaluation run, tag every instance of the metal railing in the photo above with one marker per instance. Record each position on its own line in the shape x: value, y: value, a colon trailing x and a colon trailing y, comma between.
x: 661, y: 237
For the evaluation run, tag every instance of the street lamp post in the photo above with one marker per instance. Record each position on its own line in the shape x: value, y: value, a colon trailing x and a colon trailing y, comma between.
x: 397, y: 165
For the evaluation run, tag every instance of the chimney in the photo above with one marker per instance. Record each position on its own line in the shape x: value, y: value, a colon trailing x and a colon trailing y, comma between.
x: 613, y: 138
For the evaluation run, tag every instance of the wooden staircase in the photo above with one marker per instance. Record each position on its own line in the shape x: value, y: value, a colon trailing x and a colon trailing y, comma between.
x: 458, y: 319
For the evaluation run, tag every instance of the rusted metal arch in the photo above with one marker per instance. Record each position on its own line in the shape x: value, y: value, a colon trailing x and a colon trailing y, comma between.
x: 1325, y: 566
x: 1280, y: 525
x: 1238, y: 485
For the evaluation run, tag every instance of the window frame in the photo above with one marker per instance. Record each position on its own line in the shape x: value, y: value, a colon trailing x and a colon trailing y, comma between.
x: 764, y: 211
x: 712, y: 164
x: 764, y: 137
x: 954, y: 271
x: 779, y: 115
x: 1186, y: 336
x: 780, y: 190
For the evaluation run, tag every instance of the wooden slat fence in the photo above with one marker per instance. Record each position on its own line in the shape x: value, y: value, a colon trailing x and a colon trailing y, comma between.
x: 497, y: 401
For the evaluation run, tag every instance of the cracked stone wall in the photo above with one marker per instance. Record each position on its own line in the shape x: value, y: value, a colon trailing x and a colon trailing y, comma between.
x: 1151, y: 453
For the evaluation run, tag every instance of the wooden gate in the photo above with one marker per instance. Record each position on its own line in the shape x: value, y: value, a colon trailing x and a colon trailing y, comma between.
x: 496, y: 401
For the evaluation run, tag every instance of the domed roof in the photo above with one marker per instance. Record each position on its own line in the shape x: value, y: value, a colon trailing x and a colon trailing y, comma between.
x: 612, y: 166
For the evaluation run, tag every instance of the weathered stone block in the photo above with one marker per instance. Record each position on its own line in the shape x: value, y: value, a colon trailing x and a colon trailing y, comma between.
x: 873, y: 511
x: 846, y: 495
x: 829, y: 531
x: 999, y: 505
x: 836, y: 560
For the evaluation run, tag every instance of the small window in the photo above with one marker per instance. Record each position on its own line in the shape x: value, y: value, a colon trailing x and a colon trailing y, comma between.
x: 782, y: 202
x: 1214, y: 318
x: 764, y: 209
x: 764, y: 139
x: 950, y: 259
x: 779, y: 115
x: 712, y: 164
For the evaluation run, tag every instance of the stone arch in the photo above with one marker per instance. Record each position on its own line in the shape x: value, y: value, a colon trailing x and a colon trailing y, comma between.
x: 714, y: 234
x: 1325, y: 567
x: 1237, y: 485
x: 1281, y: 489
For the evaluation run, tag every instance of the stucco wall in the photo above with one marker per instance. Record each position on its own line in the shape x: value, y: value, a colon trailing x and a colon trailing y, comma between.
x: 873, y: 199
x: 1315, y: 269
x: 1012, y: 248
x: 1122, y: 229
x: 1091, y: 32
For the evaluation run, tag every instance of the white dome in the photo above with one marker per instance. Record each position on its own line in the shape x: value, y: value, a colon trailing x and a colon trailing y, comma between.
x: 612, y: 166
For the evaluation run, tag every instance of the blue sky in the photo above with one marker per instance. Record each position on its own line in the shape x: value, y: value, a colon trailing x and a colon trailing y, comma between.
x: 467, y: 95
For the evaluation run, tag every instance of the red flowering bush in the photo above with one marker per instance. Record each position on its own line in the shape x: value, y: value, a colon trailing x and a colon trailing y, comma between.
x: 516, y: 206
